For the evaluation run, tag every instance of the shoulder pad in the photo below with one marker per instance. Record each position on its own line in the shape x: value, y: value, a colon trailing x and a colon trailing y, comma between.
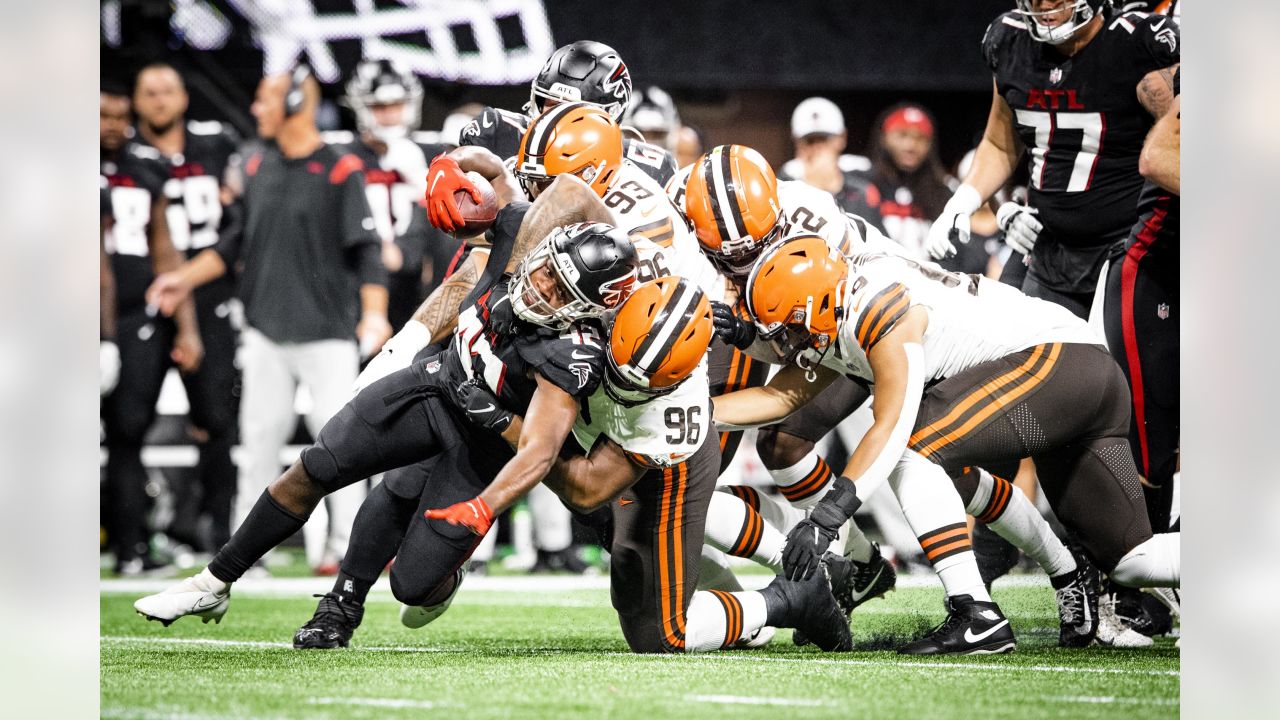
x: 997, y: 36
x: 877, y: 304
x: 1158, y: 35
x: 572, y: 361
x: 204, y: 127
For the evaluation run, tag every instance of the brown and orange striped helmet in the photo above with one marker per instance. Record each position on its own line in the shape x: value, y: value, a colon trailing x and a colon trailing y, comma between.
x: 659, y: 336
x: 732, y: 199
x: 795, y: 295
x: 576, y: 138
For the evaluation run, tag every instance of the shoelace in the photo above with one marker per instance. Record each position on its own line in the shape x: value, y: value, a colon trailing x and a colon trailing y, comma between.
x: 330, y: 609
x: 1070, y: 602
x: 953, y: 621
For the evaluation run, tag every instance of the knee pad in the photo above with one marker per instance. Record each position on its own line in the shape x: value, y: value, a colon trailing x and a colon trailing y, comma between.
x: 321, y: 466
x: 779, y: 450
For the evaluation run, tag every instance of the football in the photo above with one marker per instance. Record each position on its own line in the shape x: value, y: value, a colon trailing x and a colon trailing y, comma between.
x: 479, y: 216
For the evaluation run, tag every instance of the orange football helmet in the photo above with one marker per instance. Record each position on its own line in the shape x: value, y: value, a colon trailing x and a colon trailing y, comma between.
x: 732, y: 199
x: 577, y: 138
x: 658, y: 337
x: 795, y: 295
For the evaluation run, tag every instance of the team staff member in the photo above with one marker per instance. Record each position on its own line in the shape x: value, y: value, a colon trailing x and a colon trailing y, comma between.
x: 312, y: 280
x: 197, y: 155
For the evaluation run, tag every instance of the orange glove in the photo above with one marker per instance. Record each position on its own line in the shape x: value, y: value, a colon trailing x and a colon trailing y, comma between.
x: 444, y: 178
x: 474, y: 514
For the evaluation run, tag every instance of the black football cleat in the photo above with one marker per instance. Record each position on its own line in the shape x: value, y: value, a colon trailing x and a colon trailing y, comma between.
x: 853, y: 582
x: 1141, y: 611
x: 971, y: 628
x: 1077, y: 596
x: 810, y: 608
x: 332, y: 625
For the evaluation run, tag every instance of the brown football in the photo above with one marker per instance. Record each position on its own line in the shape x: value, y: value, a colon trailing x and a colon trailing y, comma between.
x: 479, y: 216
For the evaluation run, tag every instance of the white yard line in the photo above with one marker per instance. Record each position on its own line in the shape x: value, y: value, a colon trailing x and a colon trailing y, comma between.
x: 743, y: 700
x: 383, y: 703
x: 1107, y: 700
x: 708, y: 657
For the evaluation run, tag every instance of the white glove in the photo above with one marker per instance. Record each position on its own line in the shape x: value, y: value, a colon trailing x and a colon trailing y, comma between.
x: 953, y: 223
x: 396, y: 354
x: 1020, y: 226
x: 108, y: 367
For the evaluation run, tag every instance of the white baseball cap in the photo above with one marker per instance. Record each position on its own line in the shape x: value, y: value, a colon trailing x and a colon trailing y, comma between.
x: 816, y: 115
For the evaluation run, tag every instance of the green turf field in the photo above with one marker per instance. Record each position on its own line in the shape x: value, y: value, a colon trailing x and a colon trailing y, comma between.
x: 545, y: 653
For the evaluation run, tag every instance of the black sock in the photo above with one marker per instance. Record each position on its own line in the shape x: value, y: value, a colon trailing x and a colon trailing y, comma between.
x: 375, y: 538
x: 267, y: 525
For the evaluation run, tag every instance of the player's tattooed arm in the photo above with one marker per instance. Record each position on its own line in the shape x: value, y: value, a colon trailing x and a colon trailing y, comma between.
x: 473, y: 158
x: 567, y: 200
x: 1155, y: 91
x: 439, y: 312
x: 787, y: 392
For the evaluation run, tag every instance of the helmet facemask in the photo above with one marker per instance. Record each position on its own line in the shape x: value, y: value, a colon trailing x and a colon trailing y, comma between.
x: 550, y: 254
x: 1082, y: 11
x: 378, y: 83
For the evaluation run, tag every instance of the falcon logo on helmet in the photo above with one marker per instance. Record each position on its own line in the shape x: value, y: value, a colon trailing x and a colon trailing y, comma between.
x: 1045, y: 25
x: 732, y: 200
x: 658, y: 338
x: 576, y: 138
x: 593, y: 266
x: 383, y: 82
x: 584, y: 71
x: 795, y: 295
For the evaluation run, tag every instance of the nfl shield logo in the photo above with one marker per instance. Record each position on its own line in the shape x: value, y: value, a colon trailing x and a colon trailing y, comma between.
x: 1162, y: 311
x: 1055, y: 76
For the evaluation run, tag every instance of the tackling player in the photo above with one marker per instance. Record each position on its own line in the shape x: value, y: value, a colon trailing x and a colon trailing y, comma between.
x: 1009, y: 377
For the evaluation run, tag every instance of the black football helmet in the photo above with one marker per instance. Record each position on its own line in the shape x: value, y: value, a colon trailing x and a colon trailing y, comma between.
x: 594, y: 265
x: 1082, y: 11
x: 382, y: 82
x: 653, y: 113
x: 585, y: 71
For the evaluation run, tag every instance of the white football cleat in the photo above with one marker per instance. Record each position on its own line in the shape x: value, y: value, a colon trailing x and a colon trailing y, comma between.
x: 1112, y: 631
x: 201, y: 595
x: 415, y: 616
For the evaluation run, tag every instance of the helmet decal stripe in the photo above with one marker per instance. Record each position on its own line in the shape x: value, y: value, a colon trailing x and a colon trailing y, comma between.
x: 708, y: 175
x: 671, y: 318
x: 540, y: 132
x: 730, y: 197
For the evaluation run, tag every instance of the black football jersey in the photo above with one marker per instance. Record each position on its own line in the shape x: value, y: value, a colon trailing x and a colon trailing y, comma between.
x: 1080, y: 119
x: 135, y: 179
x: 499, y: 131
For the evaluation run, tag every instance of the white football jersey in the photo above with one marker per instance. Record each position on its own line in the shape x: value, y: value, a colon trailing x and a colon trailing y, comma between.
x: 641, y: 207
x: 807, y: 210
x: 662, y: 432
x: 972, y: 319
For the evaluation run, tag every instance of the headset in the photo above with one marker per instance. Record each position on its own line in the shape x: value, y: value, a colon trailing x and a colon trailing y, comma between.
x: 296, y: 96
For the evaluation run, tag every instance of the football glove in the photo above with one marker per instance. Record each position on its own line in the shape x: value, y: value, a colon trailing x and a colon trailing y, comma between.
x: 444, y: 178
x: 1020, y: 226
x: 810, y: 537
x: 952, y: 225
x: 480, y: 406
x: 731, y: 328
x: 474, y: 515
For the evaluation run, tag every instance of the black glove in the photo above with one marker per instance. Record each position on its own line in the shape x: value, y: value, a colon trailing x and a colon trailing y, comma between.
x: 809, y: 539
x: 480, y: 406
x: 731, y: 328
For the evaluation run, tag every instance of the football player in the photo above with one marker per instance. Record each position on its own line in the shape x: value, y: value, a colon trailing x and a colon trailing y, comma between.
x: 532, y: 337
x: 653, y: 460
x: 137, y: 244
x: 387, y: 99
x: 1009, y: 376
x: 197, y: 156
x: 1078, y: 88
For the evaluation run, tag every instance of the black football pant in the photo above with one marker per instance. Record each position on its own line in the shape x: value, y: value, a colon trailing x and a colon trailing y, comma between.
x: 1141, y: 315
x: 213, y: 393
x: 657, y: 548
x: 730, y: 369
x: 127, y: 413
x: 1065, y: 405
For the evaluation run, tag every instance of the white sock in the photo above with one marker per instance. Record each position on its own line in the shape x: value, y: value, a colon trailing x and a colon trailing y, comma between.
x: 736, y: 528
x: 1155, y: 563
x: 206, y: 580
x: 714, y: 572
x: 804, y: 483
x: 856, y: 545
x: 1003, y: 507
x: 933, y: 509
x: 717, y: 619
